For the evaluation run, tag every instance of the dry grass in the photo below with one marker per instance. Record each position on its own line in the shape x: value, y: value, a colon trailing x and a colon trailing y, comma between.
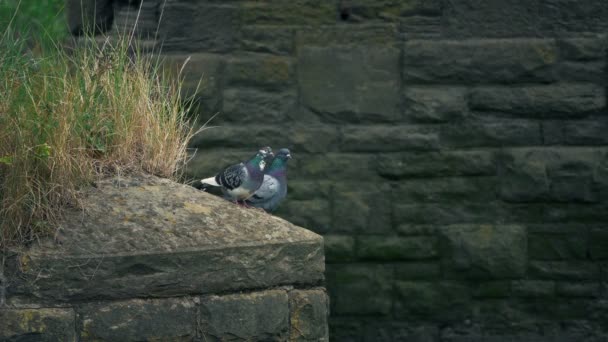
x: 68, y: 119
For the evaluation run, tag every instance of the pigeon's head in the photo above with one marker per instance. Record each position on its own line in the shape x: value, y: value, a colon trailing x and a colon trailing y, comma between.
x: 283, y: 154
x: 280, y: 160
x: 263, y: 154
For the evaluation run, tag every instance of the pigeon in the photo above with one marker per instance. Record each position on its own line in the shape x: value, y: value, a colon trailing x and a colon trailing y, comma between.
x: 240, y: 181
x: 274, y: 188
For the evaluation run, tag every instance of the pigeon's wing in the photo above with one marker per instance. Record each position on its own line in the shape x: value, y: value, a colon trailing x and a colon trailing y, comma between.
x: 232, y: 177
x: 268, y: 189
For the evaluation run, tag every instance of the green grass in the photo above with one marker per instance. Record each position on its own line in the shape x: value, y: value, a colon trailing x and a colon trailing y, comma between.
x: 67, y: 119
x: 44, y: 19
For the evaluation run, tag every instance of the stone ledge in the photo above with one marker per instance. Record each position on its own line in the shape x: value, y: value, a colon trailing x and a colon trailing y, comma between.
x: 149, y: 237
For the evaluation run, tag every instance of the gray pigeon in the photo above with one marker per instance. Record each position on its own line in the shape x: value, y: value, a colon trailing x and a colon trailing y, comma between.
x: 240, y: 181
x: 274, y: 188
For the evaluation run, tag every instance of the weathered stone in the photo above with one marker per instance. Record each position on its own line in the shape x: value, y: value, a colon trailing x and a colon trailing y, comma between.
x: 391, y: 248
x: 347, y: 329
x: 533, y: 288
x: 349, y: 285
x: 201, y: 78
x: 575, y: 213
x: 417, y: 271
x: 583, y: 49
x: 313, y: 138
x: 87, y: 17
x: 578, y: 289
x: 359, y: 84
x: 339, y: 248
x: 252, y: 136
x: 300, y: 12
x: 335, y: 166
x: 508, y: 60
x: 244, y: 105
x: 439, y: 301
x: 138, y: 320
x: 581, y: 72
x: 492, y: 289
x: 390, y: 10
x: 362, y: 208
x: 417, y: 229
x: 520, y: 18
x: 268, y: 39
x: 309, y: 190
x: 347, y: 35
x: 389, y: 138
x: 557, y: 246
x: 446, y: 163
x: 571, y: 175
x: 523, y: 175
x: 199, y: 27
x: 583, y: 133
x: 492, y: 132
x: 389, y: 331
x: 434, y: 104
x: 452, y: 213
x: 41, y: 324
x: 266, y: 72
x: 561, y: 270
x: 420, y: 27
x: 182, y: 226
x: 484, y: 251
x: 598, y: 243
x: 314, y: 214
x: 438, y: 190
x: 257, y: 316
x: 308, y: 315
x: 545, y: 101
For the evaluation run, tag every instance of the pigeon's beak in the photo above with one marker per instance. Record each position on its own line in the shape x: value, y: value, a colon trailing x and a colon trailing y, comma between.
x: 288, y: 156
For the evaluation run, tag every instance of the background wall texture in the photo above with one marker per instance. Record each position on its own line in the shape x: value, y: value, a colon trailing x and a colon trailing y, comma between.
x: 452, y: 152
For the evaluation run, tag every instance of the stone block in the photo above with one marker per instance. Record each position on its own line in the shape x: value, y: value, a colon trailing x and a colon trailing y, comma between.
x: 201, y: 79
x: 308, y: 315
x: 260, y: 71
x: 583, y: 49
x: 245, y: 105
x: 433, y: 164
x: 268, y: 39
x: 389, y: 331
x: 314, y: 214
x: 561, y: 100
x: 346, y: 329
x: 354, y: 85
x: 391, y: 10
x: 442, y: 301
x: 250, y: 136
x: 339, y: 248
x: 255, y: 316
x: 418, y: 270
x: 578, y: 289
x: 575, y: 213
x: 199, y: 27
x: 381, y: 138
x: 592, y: 72
x: 564, y: 270
x: 435, y: 104
x: 445, y: 190
x: 497, y: 61
x: 598, y: 243
x: 484, y: 251
x: 421, y: 27
x: 349, y: 286
x: 182, y: 227
x: 416, y: 229
x: 452, y: 213
x: 41, y: 324
x: 361, y: 208
x: 558, y: 246
x: 334, y: 166
x: 491, y: 132
x: 523, y: 175
x: 348, y: 35
x: 492, y: 289
x: 533, y: 288
x: 300, y: 12
x: 312, y: 138
x: 138, y: 320
x: 310, y: 190
x: 579, y: 132
x: 392, y: 248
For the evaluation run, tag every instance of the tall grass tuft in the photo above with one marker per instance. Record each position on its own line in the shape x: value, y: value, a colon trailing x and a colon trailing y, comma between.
x: 68, y: 118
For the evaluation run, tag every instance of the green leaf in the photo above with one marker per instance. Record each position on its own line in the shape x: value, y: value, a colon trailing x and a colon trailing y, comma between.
x: 6, y: 160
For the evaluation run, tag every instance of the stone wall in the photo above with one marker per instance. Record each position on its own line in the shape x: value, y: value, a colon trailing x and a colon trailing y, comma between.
x: 453, y: 153
x: 146, y: 259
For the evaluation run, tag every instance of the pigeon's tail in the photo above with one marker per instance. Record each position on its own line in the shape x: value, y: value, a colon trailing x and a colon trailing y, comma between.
x: 210, y: 181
